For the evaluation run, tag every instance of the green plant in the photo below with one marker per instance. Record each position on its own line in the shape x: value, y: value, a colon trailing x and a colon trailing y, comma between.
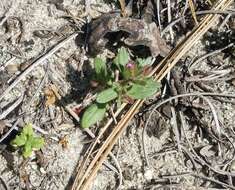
x: 27, y: 141
x: 122, y: 80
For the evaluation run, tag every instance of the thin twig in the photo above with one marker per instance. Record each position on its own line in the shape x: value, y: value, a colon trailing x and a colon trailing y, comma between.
x: 215, y: 12
x: 209, y: 54
x: 12, y: 107
x: 40, y: 85
x: 37, y: 62
x: 175, y: 128
x: 119, y: 169
x: 214, y: 181
x: 169, y: 18
x: 69, y: 110
x: 2, y: 67
x: 216, y: 75
x: 159, y: 16
x: 193, y: 94
x: 185, y: 7
x: 188, y: 153
x: 111, y: 167
x: 14, y: 126
x: 214, y: 114
x: 4, y: 183
x: 201, y: 160
x: 224, y: 22
x: 170, y: 25
x: 113, y: 116
x: 202, y: 177
x: 169, y: 100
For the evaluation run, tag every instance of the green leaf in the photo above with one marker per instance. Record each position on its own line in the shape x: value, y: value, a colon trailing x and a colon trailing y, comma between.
x: 122, y: 57
x: 28, y: 130
x: 106, y: 95
x: 100, y: 67
x: 144, y: 62
x: 119, y: 102
x: 28, y: 141
x: 93, y: 114
x: 37, y: 143
x: 144, y: 89
x: 19, y: 140
x: 27, y: 150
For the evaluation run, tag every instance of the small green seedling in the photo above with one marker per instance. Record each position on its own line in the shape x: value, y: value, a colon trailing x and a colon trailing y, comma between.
x: 124, y: 80
x: 27, y: 141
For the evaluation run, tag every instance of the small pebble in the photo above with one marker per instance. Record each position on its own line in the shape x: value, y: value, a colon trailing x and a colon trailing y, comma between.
x: 148, y: 174
x: 42, y: 170
x: 232, y: 166
x: 12, y: 68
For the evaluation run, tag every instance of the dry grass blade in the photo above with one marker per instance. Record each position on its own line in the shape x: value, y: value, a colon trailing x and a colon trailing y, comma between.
x: 83, y: 180
x: 123, y: 7
x: 175, y: 55
x: 192, y: 8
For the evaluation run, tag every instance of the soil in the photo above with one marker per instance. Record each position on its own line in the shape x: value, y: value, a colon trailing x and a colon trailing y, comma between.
x: 33, y: 27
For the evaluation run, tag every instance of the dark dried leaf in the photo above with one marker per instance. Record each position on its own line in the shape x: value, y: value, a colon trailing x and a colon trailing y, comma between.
x: 140, y: 33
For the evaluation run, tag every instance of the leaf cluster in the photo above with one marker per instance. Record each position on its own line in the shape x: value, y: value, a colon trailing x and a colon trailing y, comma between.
x: 123, y: 79
x: 27, y: 141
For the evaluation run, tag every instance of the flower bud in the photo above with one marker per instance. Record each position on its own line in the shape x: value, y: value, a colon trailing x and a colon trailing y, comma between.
x: 130, y: 65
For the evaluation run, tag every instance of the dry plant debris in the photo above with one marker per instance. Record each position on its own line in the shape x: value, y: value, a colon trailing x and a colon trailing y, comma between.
x: 140, y: 33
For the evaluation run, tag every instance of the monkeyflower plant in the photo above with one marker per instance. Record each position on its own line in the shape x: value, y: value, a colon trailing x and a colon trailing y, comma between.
x: 122, y: 80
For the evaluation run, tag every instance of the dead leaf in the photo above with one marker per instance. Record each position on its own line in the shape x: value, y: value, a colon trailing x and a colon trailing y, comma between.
x: 41, y: 161
x: 233, y: 82
x: 232, y: 24
x: 64, y: 142
x: 140, y: 33
x: 207, y: 151
x: 50, y: 97
x: 12, y: 68
x: 2, y: 126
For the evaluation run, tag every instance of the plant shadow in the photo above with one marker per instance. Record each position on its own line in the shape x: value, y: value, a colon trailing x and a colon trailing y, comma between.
x: 215, y: 39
